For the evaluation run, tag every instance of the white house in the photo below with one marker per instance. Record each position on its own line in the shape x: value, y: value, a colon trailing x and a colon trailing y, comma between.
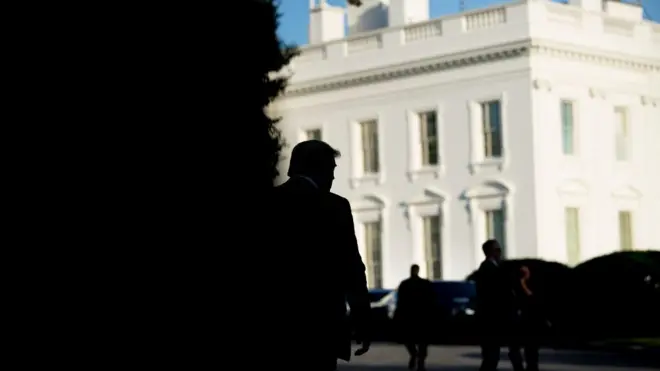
x: 534, y: 122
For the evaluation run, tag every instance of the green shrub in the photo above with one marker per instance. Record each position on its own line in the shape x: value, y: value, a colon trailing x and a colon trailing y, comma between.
x: 548, y: 280
x: 617, y: 294
x: 609, y: 296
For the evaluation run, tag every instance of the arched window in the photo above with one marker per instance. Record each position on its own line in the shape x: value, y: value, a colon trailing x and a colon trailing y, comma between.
x: 369, y: 231
x: 429, y: 233
x: 490, y: 213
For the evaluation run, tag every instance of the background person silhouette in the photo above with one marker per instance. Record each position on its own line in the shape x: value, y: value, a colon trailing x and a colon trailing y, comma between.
x: 413, y: 316
x: 496, y: 311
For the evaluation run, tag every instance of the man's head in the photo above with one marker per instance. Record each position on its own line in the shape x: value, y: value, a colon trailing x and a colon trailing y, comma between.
x: 414, y: 270
x: 316, y: 160
x: 492, y: 250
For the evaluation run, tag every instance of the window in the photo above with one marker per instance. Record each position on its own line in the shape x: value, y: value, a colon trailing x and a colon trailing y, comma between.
x: 625, y: 230
x: 369, y: 136
x: 491, y: 113
x: 433, y: 247
x: 313, y: 134
x: 622, y: 133
x: 572, y: 235
x: 428, y: 125
x: 372, y: 232
x: 567, y: 127
x: 495, y: 226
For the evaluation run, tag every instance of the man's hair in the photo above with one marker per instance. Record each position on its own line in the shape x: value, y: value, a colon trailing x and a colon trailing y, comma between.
x: 489, y: 245
x: 310, y: 156
x: 414, y: 269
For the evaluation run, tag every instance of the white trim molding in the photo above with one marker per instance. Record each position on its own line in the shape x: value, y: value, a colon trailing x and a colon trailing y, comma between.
x: 478, y: 161
x: 429, y: 65
x: 367, y: 209
x: 487, y: 196
x: 358, y: 177
x: 303, y: 129
x: 542, y: 84
x: 468, y: 58
x: 629, y: 198
x: 432, y: 202
x: 627, y: 192
x: 597, y: 93
x: 573, y: 187
x: 416, y: 169
x: 647, y: 100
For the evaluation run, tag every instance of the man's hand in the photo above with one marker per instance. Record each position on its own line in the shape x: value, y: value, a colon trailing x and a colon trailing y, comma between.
x: 366, y: 344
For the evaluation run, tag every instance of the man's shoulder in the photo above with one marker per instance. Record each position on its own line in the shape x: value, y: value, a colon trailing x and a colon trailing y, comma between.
x: 487, y: 264
x: 337, y: 201
x: 488, y: 268
x: 425, y: 282
x: 336, y: 198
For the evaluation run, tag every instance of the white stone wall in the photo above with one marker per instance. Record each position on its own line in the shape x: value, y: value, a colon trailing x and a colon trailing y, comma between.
x: 528, y: 54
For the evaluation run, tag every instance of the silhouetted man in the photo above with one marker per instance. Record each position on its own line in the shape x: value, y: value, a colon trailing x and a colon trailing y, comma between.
x: 317, y: 264
x: 495, y: 310
x: 414, y: 315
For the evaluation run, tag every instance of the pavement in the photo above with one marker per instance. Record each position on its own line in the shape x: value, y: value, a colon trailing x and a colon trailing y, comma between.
x: 393, y: 357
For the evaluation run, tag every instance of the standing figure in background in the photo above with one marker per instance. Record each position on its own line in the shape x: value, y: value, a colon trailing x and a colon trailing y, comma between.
x: 532, y: 320
x: 413, y: 316
x: 497, y: 315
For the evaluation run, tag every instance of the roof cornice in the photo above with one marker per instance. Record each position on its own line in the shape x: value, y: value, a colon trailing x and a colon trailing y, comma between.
x: 471, y: 58
x: 429, y: 65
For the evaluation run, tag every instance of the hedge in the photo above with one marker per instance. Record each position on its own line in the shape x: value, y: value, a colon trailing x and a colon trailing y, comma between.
x: 612, y: 295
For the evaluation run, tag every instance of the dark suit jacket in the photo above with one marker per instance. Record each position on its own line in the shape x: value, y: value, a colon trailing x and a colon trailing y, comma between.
x: 495, y: 298
x: 414, y: 309
x: 319, y: 269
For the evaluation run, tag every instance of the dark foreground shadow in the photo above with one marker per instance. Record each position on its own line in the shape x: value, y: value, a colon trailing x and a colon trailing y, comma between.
x: 350, y: 367
x: 591, y: 358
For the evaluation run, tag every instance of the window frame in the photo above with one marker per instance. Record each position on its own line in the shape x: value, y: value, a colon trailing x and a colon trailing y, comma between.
x: 573, y: 257
x: 374, y: 269
x: 373, y: 143
x: 487, y: 131
x: 430, y: 255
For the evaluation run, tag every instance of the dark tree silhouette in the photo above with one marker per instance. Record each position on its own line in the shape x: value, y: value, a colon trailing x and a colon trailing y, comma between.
x: 273, y: 56
x: 149, y: 190
x: 621, y: 287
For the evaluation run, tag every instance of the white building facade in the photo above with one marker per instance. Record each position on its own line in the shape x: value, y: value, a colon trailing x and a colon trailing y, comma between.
x: 533, y: 122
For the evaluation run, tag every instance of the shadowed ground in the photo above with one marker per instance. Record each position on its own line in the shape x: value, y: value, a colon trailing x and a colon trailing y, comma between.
x: 387, y: 357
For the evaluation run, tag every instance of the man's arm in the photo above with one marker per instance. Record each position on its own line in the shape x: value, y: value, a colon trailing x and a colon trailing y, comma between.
x: 357, y: 294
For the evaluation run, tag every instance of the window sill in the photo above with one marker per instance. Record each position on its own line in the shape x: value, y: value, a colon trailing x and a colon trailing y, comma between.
x: 431, y: 172
x: 623, y: 168
x: 374, y: 179
x: 487, y: 164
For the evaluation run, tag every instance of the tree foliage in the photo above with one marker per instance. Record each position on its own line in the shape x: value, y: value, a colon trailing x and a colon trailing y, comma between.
x: 622, y: 287
x: 271, y: 55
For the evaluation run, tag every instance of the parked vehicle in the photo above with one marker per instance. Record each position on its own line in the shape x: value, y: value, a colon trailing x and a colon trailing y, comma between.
x: 375, y: 295
x: 454, y: 319
x: 455, y: 307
